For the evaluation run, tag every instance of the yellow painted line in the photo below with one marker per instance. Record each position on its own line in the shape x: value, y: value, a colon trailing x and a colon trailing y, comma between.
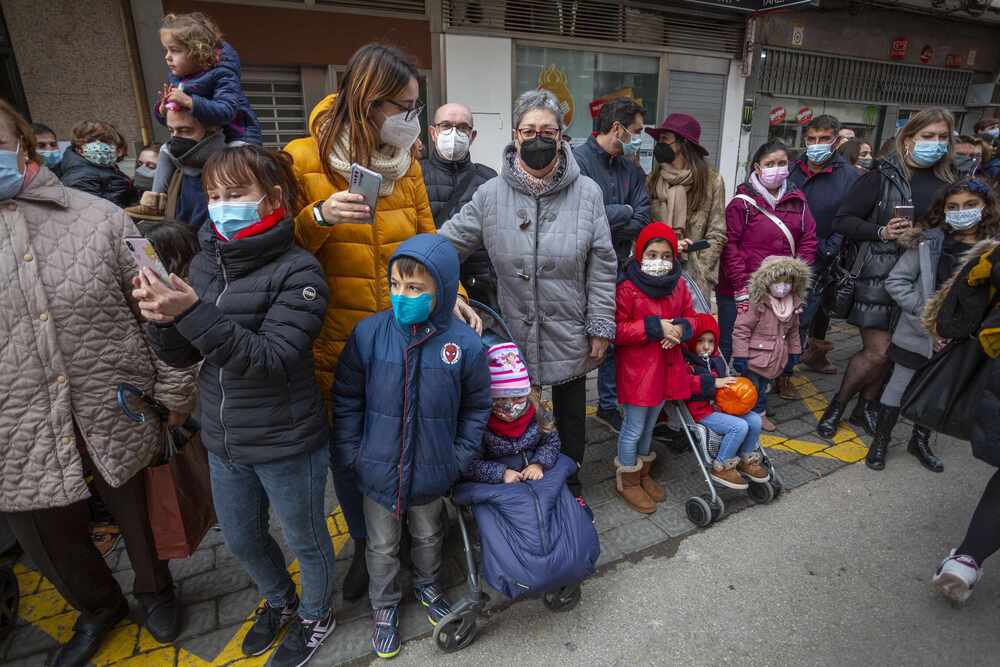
x: 130, y: 645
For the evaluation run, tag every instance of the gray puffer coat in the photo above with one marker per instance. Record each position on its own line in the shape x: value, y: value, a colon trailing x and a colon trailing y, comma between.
x: 556, y: 268
x: 911, y: 284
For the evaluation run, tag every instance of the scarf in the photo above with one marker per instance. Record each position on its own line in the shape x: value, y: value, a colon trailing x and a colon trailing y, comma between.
x: 672, y: 188
x: 393, y: 166
x: 514, y: 429
x: 783, y: 308
x: 533, y: 185
x: 763, y: 192
x: 655, y: 287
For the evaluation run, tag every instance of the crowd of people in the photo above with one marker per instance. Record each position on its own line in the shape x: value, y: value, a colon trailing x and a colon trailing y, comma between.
x: 312, y: 333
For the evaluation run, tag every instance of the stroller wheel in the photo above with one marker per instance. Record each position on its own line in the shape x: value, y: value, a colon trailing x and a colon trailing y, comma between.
x: 718, y: 507
x: 699, y: 512
x: 563, y: 599
x: 10, y: 601
x: 776, y: 484
x: 761, y: 493
x: 455, y: 632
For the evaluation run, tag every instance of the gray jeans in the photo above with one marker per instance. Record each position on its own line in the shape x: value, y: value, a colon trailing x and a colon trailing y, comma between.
x: 892, y: 395
x: 384, y: 530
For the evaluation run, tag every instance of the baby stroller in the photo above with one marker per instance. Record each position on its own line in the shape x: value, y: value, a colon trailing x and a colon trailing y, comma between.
x: 705, y: 508
x: 516, y: 562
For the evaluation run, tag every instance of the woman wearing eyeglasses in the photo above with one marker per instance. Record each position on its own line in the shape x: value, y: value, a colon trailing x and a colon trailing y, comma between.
x: 372, y: 120
x: 544, y: 227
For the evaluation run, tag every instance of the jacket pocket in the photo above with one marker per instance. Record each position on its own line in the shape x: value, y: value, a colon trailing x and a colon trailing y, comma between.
x: 762, y: 351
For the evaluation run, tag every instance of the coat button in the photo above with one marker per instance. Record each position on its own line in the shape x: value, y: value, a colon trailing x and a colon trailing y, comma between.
x: 44, y: 317
x: 61, y: 379
x: 67, y: 440
x: 28, y: 257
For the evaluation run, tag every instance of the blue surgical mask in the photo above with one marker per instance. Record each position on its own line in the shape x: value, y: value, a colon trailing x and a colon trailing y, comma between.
x: 51, y: 158
x: 230, y: 217
x: 965, y: 219
x: 411, y: 309
x: 11, y: 178
x: 928, y: 153
x: 632, y: 147
x: 100, y: 153
x: 819, y: 153
x: 993, y: 132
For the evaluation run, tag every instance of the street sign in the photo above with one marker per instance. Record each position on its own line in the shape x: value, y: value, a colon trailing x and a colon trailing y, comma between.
x: 757, y: 6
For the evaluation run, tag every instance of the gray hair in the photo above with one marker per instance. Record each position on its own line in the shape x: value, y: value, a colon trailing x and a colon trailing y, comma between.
x: 537, y: 99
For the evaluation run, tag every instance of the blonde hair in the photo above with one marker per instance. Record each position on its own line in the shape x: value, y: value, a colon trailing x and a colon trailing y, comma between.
x: 918, y: 121
x: 197, y: 33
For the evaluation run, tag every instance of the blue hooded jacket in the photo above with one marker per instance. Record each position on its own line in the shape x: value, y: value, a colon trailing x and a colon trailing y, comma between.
x: 410, y: 403
x: 218, y: 98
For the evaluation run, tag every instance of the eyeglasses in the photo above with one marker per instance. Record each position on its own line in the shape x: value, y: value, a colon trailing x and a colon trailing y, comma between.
x: 447, y: 126
x: 411, y: 112
x: 529, y: 133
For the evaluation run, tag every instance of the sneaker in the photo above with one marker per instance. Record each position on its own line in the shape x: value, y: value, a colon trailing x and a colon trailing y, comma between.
x: 585, y: 507
x: 269, y: 622
x: 432, y: 597
x: 753, y: 470
x: 956, y: 577
x: 385, y: 636
x: 729, y: 478
x: 302, y: 640
x: 611, y: 418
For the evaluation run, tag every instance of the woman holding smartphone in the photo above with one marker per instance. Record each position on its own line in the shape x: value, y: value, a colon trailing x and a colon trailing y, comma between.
x: 881, y: 207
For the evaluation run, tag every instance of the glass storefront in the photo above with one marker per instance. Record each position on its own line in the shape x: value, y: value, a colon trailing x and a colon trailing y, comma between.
x: 788, y: 118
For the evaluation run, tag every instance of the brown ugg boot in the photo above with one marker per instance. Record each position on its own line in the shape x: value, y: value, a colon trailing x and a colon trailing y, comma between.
x: 814, y: 358
x: 655, y: 492
x: 630, y: 488
x: 151, y: 205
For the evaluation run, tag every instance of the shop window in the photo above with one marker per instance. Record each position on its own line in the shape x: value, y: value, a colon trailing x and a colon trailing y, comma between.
x: 275, y: 93
x: 788, y: 118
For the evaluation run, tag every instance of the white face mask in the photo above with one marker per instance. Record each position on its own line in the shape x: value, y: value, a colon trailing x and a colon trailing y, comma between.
x: 453, y: 145
x: 656, y: 267
x: 399, y: 132
x: 780, y: 290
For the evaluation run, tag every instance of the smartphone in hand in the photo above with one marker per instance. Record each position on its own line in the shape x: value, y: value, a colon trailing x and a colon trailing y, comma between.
x: 903, y: 212
x: 365, y: 182
x: 145, y: 256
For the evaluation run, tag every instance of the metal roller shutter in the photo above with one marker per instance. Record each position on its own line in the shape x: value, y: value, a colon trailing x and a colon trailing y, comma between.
x: 702, y: 96
x: 275, y: 93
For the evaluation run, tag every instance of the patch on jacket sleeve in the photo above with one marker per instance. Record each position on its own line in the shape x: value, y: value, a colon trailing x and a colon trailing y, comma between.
x: 451, y: 353
x: 309, y: 293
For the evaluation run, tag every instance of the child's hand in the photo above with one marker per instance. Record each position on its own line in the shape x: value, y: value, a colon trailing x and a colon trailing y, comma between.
x: 511, y: 476
x: 533, y: 473
x: 740, y: 365
x: 671, y: 332
x: 162, y: 99
x: 180, y: 98
x: 724, y: 382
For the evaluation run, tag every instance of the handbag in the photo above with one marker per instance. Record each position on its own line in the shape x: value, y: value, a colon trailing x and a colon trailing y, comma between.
x: 839, y: 300
x: 773, y: 218
x: 942, y: 395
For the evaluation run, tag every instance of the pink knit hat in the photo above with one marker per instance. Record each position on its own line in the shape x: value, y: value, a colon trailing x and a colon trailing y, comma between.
x: 508, y: 374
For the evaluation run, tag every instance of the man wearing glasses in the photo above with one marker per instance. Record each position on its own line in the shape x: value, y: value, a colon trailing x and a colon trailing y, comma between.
x: 452, y: 178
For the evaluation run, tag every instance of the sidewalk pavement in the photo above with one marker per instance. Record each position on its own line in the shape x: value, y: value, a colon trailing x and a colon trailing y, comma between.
x: 220, y: 600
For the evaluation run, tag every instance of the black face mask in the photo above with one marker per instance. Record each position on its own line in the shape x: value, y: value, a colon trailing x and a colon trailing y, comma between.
x: 539, y: 152
x: 664, y: 153
x: 178, y: 146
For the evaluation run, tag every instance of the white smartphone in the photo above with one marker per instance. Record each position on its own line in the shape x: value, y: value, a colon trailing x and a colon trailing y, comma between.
x: 365, y: 182
x: 145, y: 256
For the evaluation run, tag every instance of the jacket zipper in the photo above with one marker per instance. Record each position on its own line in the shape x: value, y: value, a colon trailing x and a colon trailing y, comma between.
x: 222, y: 387
x: 534, y: 283
x: 402, y: 444
x: 542, y: 529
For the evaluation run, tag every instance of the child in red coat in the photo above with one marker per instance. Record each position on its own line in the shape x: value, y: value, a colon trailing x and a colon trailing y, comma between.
x: 654, y: 316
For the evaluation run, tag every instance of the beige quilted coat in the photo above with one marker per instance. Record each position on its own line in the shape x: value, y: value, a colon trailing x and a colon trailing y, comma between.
x: 68, y: 336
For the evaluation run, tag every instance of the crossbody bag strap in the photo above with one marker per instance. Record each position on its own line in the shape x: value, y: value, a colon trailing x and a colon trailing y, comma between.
x: 773, y: 218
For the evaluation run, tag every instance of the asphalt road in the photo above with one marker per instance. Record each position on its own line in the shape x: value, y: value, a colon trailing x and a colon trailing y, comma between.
x: 835, y: 573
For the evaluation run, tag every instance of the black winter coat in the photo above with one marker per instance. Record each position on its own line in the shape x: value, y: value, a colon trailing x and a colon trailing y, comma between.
x: 104, y: 182
x: 261, y: 305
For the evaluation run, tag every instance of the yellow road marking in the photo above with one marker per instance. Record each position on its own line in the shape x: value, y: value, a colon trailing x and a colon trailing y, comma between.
x: 129, y: 645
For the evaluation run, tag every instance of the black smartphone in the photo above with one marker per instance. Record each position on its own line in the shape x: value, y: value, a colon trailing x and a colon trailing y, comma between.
x: 698, y: 246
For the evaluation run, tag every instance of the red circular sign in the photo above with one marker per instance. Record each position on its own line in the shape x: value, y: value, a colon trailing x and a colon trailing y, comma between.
x: 777, y: 116
x: 805, y: 115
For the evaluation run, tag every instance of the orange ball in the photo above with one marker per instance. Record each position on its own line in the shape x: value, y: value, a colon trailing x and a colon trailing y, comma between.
x: 738, y: 398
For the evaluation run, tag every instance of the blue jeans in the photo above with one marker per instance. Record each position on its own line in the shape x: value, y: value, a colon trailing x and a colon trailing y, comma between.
x: 637, y: 432
x: 727, y: 320
x: 607, y: 388
x: 739, y: 434
x: 761, y: 383
x: 294, y: 487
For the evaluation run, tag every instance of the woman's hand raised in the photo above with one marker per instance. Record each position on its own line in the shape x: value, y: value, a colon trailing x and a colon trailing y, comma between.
x: 344, y: 207
x: 159, y: 302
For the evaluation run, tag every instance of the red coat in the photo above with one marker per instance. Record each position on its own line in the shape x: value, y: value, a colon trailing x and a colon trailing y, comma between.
x: 647, y: 374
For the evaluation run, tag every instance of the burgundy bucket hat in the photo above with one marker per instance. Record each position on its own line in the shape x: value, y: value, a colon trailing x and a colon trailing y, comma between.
x: 683, y: 126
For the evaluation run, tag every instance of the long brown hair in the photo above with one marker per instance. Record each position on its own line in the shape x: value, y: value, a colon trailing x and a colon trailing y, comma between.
x: 989, y: 227
x: 241, y: 165
x: 701, y: 173
x: 375, y: 73
x: 918, y: 121
x: 28, y: 142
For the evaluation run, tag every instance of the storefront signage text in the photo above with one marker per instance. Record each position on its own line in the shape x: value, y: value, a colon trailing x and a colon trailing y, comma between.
x: 805, y: 115
x: 899, y: 47
x: 953, y: 60
x: 777, y: 116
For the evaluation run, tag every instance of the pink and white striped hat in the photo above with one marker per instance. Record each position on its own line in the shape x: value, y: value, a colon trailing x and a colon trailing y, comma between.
x: 508, y: 374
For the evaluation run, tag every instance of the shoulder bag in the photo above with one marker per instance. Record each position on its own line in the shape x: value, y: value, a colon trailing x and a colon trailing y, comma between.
x: 839, y: 301
x: 773, y: 218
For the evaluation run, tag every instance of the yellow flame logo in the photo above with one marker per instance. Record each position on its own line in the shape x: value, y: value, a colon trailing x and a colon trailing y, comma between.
x: 553, y: 79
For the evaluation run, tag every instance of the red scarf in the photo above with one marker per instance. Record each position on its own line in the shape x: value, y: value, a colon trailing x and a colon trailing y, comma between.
x: 514, y: 429
x: 259, y: 227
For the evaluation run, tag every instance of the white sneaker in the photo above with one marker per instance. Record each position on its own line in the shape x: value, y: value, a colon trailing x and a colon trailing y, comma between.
x: 956, y: 577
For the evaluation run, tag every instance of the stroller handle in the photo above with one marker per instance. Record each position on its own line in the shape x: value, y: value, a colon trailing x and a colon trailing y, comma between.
x: 479, y: 305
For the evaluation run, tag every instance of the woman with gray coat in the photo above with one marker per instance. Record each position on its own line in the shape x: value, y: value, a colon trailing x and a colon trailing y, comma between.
x: 962, y: 215
x: 543, y: 225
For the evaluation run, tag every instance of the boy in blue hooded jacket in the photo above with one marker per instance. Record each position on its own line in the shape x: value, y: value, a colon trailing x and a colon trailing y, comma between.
x: 410, y: 401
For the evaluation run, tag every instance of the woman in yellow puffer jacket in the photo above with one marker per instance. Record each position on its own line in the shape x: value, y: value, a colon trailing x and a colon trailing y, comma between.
x: 373, y: 120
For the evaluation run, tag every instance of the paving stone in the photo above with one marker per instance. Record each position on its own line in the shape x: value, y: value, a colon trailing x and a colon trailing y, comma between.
x: 599, y: 494
x: 796, y: 428
x: 672, y: 519
x: 236, y: 607
x: 786, y: 413
x: 614, y: 514
x: 596, y: 472
x: 352, y: 639
x: 36, y: 660
x: 212, y: 538
x: 199, y: 619
x: 781, y: 458
x: 601, y: 450
x: 632, y: 537
x: 794, y: 476
x: 208, y: 646
x: 209, y: 585
x: 125, y: 579
x: 820, y: 466
x: 28, y: 640
x: 200, y: 561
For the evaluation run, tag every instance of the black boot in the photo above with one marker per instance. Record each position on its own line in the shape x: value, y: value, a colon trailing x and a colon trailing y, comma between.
x: 921, y: 448
x: 887, y: 418
x: 161, y: 615
x: 828, y: 424
x: 356, y: 581
x: 86, y: 640
x: 865, y: 415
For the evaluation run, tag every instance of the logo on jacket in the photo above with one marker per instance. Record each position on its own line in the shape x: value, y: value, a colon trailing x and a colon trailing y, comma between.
x: 451, y: 353
x: 309, y: 293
